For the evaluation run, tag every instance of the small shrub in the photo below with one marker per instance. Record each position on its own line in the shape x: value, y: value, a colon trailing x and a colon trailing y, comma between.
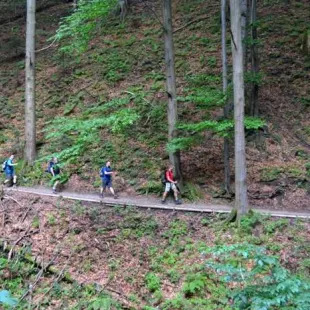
x: 272, y: 226
x: 177, y: 228
x: 51, y: 219
x: 174, y: 275
x: 259, y: 280
x: 271, y: 174
x: 249, y: 221
x: 152, y: 282
x: 194, y: 284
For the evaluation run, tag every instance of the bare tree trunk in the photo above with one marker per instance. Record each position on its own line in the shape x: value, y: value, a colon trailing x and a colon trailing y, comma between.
x: 171, y: 85
x: 254, y: 60
x: 225, y: 83
x: 241, y: 201
x: 244, y: 23
x: 30, y: 117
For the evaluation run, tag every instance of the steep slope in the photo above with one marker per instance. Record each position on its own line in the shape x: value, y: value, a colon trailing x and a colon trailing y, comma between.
x: 123, y: 68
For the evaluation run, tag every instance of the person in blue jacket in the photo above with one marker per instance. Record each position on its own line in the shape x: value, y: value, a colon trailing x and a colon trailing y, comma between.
x: 10, y: 171
x: 106, y: 173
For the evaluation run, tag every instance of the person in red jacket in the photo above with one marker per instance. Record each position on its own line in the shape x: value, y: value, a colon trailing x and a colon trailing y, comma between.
x: 170, y: 184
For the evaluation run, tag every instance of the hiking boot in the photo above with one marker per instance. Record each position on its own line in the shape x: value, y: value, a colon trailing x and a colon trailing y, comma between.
x: 14, y: 186
x: 178, y: 202
x: 54, y: 191
x: 163, y: 201
x: 101, y: 195
x: 115, y: 196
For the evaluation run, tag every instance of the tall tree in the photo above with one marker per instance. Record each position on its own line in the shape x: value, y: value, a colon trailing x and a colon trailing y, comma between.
x: 225, y: 83
x: 30, y: 116
x: 171, y: 85
x: 254, y: 59
x: 241, y: 201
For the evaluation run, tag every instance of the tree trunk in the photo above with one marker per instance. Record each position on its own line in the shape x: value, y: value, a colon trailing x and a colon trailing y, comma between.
x: 171, y: 85
x: 241, y: 202
x: 244, y: 23
x: 225, y: 83
x: 254, y: 60
x: 30, y: 119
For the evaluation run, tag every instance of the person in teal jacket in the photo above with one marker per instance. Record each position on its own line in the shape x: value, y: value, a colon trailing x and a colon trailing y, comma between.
x: 10, y: 171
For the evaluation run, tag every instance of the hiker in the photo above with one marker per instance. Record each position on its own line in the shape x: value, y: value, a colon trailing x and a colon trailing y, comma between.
x: 54, y: 170
x: 170, y: 184
x: 8, y: 168
x: 106, y: 177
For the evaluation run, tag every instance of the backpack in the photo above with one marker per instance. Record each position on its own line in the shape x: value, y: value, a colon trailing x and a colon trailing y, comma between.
x: 49, y: 167
x: 56, y: 169
x: 4, y: 165
x: 163, y: 178
x: 102, y: 172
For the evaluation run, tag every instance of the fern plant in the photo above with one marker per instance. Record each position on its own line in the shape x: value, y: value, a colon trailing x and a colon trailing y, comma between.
x: 262, y: 283
x: 193, y: 133
x: 76, y: 29
x: 75, y: 135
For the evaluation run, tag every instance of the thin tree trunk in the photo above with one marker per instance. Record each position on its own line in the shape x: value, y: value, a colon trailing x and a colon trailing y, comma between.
x: 171, y: 85
x: 30, y: 119
x: 254, y: 59
x: 225, y: 83
x: 241, y: 201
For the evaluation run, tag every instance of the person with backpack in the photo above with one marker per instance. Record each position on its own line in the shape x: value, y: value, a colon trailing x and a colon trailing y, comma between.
x: 170, y: 184
x: 106, y: 173
x: 8, y: 168
x: 54, y: 170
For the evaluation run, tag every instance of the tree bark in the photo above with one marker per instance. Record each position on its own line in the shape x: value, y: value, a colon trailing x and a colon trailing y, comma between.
x: 241, y: 201
x: 171, y: 85
x: 244, y: 23
x: 254, y: 59
x: 30, y: 117
x: 225, y: 83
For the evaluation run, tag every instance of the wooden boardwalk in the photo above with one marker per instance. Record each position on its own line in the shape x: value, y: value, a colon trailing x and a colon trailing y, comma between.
x: 150, y: 203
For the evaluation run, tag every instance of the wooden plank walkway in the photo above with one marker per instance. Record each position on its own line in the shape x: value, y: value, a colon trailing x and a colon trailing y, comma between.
x: 150, y: 203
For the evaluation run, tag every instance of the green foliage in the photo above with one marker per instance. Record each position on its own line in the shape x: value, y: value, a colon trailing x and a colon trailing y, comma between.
x: 264, y: 283
x: 273, y: 225
x: 177, y: 228
x: 192, y: 192
x: 74, y: 136
x: 307, y: 166
x: 152, y: 282
x: 194, y: 283
x: 223, y: 128
x: 114, y: 65
x: 103, y: 302
x: 305, y: 101
x: 151, y: 187
x: 254, y: 78
x: 271, y: 174
x: 79, y: 27
x: 205, y: 97
x: 248, y: 222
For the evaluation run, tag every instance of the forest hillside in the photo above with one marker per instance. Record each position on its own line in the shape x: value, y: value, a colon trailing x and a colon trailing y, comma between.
x: 109, y: 101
